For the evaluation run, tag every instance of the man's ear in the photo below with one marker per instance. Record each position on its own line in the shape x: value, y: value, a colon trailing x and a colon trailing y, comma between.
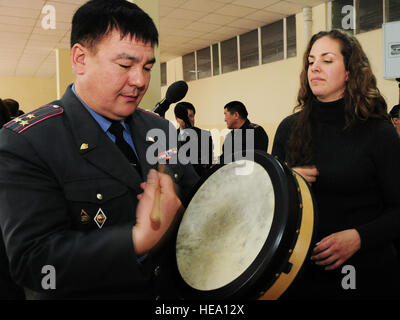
x: 79, y: 54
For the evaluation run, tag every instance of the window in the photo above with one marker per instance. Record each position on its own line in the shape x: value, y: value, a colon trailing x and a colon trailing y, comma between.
x: 392, y: 10
x: 204, y: 63
x: 363, y: 15
x: 369, y: 15
x: 163, y: 67
x: 272, y: 42
x: 223, y: 56
x: 291, y: 36
x: 249, y: 49
x: 342, y: 15
x: 229, y: 58
x: 215, y: 54
x: 189, y: 67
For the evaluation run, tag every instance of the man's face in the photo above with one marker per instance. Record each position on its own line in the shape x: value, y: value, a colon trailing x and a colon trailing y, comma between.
x: 116, y: 75
x: 181, y: 123
x: 191, y: 116
x: 230, y: 119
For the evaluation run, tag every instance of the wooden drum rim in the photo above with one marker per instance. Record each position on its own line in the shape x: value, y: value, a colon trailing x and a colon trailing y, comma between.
x: 301, y: 248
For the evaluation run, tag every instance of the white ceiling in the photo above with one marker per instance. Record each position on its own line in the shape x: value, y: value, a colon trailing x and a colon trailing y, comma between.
x: 184, y: 26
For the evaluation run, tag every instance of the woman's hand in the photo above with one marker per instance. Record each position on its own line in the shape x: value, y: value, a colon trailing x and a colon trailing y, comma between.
x: 333, y: 250
x: 309, y: 173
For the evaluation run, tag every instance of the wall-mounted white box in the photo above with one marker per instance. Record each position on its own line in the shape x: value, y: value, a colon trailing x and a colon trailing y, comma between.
x: 391, y: 50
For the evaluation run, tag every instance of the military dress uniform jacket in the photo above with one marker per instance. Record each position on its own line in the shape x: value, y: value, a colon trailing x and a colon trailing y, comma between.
x: 68, y: 200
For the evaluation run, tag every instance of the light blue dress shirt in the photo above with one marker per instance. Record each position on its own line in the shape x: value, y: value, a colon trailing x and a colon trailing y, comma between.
x: 105, y: 124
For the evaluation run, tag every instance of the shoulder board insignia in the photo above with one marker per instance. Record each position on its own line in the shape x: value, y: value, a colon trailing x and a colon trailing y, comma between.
x: 27, y: 120
x: 149, y: 112
x: 253, y: 125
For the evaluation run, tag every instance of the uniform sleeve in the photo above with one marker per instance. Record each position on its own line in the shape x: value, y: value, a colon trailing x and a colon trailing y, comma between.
x: 261, y: 141
x: 386, y: 157
x: 37, y: 230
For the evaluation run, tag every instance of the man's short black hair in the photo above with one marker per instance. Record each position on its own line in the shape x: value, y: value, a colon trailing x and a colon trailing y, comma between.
x: 4, y: 114
x: 13, y: 106
x: 394, y: 113
x: 97, y: 18
x: 237, y: 106
x: 186, y: 105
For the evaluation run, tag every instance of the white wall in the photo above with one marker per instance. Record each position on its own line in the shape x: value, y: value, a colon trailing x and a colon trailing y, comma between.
x: 269, y: 91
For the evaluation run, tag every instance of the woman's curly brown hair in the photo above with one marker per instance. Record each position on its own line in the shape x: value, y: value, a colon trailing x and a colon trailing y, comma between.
x: 361, y: 96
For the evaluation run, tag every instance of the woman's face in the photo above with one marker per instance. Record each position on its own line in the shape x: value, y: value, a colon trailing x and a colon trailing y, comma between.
x: 327, y: 74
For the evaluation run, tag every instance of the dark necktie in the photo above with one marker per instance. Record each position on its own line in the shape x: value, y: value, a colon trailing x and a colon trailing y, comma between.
x: 117, y: 130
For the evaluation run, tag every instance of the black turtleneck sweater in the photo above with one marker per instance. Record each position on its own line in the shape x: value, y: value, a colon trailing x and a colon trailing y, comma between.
x: 358, y: 185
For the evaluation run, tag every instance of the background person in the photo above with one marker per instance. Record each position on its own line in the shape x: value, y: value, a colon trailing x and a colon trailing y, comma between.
x: 236, y: 118
x: 4, y: 114
x: 395, y: 115
x: 8, y: 289
x: 13, y: 107
x: 185, y: 117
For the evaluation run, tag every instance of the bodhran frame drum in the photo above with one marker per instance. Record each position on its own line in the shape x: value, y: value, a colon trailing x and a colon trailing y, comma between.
x: 246, y: 231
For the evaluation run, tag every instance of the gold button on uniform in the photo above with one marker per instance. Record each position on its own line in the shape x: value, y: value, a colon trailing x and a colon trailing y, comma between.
x: 99, y: 196
x: 176, y: 176
x: 84, y: 146
x: 157, y: 271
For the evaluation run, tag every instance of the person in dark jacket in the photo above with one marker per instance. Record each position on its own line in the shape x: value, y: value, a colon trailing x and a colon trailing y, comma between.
x: 244, y: 135
x: 196, y: 140
x: 8, y: 289
x: 342, y: 142
x: 4, y: 114
x: 77, y: 177
x: 395, y: 115
x: 13, y: 107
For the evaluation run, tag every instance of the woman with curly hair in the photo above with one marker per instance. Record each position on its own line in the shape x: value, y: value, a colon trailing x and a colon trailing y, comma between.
x: 342, y: 142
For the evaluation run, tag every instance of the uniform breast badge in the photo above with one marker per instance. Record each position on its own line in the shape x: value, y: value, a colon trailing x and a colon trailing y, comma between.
x: 84, y: 146
x: 85, y: 218
x: 100, y: 218
x: 166, y: 155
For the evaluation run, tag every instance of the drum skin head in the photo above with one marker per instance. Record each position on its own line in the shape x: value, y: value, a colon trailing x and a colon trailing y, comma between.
x: 237, y: 237
x: 221, y: 236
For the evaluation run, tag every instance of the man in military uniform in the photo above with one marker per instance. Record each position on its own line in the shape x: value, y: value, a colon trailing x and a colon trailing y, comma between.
x: 75, y: 220
x: 244, y: 136
x: 194, y: 138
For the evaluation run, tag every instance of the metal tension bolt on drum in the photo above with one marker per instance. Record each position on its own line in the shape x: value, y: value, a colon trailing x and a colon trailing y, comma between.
x: 246, y: 232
